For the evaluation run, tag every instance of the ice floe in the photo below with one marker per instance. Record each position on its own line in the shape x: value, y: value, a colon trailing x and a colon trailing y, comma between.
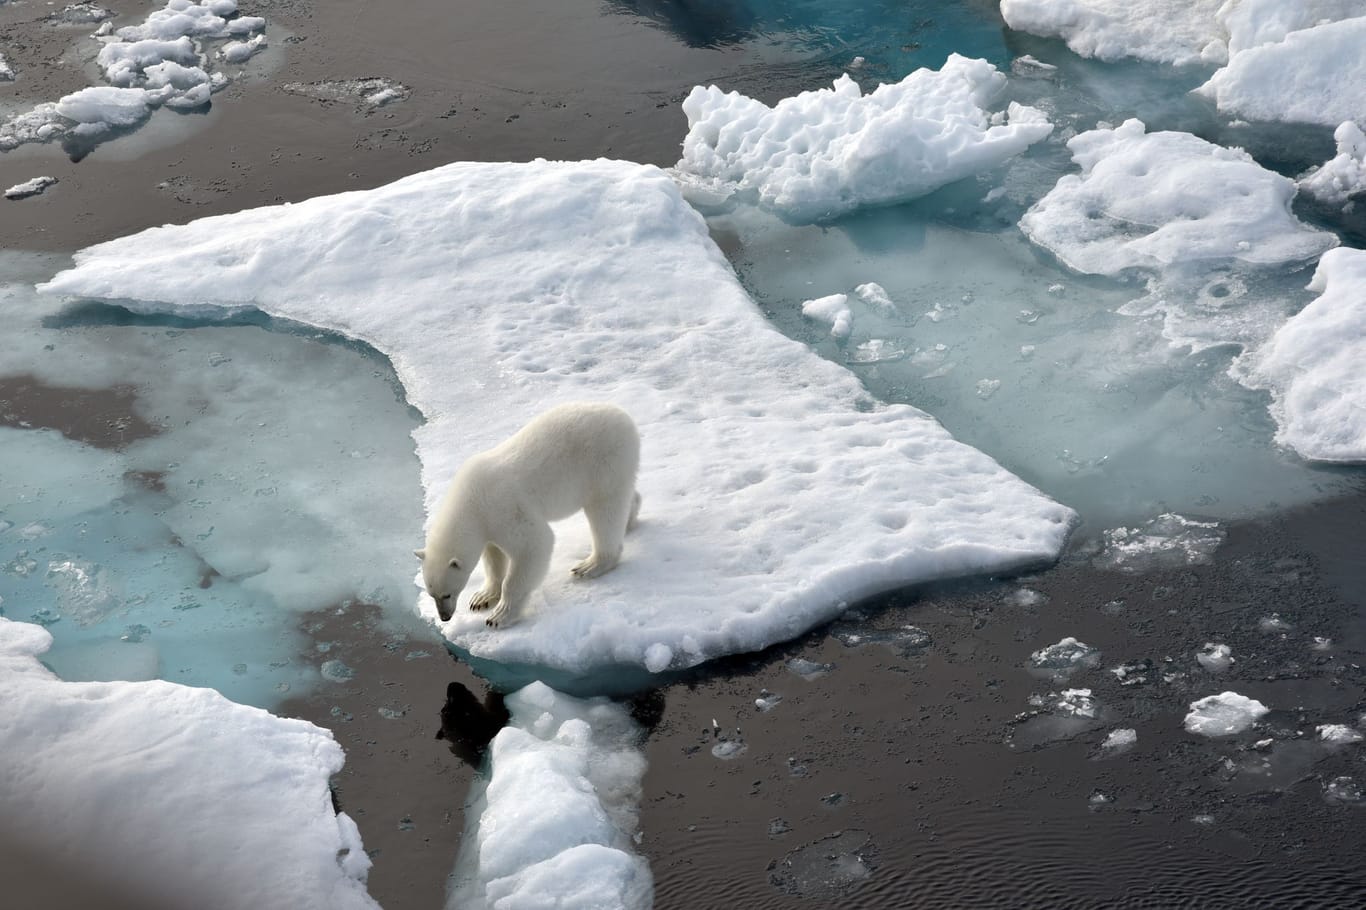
x: 172, y: 793
x: 1120, y: 740
x: 29, y: 188
x: 1165, y: 31
x: 833, y: 310
x: 1344, y: 175
x: 775, y: 492
x: 558, y: 812
x: 1338, y: 734
x: 1224, y: 714
x: 1067, y: 655
x: 1214, y: 657
x: 823, y: 153
x: 1167, y: 541
x: 1312, y: 365
x: 1153, y: 200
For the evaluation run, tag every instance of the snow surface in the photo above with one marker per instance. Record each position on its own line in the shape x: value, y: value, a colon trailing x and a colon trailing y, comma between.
x: 1152, y: 200
x: 559, y: 811
x: 1344, y: 175
x: 1313, y: 365
x: 774, y: 490
x: 1224, y: 714
x: 172, y: 792
x: 824, y: 153
x: 1165, y: 31
x: 1314, y: 75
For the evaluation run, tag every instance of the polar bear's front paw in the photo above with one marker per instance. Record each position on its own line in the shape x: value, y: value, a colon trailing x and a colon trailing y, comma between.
x: 498, y: 617
x: 483, y: 600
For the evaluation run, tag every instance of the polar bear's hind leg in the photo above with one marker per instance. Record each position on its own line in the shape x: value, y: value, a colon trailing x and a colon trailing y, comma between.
x: 608, y: 521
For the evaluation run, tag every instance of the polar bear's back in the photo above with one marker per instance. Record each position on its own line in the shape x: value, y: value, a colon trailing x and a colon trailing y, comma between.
x: 569, y: 456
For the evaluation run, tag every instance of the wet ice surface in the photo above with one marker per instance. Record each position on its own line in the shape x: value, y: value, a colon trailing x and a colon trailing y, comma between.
x: 246, y: 498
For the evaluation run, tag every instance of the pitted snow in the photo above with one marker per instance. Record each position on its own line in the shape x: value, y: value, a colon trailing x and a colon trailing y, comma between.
x: 823, y: 153
x: 774, y: 490
x: 160, y: 786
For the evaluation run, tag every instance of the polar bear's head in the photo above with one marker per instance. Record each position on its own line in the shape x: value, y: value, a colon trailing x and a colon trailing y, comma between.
x: 445, y: 577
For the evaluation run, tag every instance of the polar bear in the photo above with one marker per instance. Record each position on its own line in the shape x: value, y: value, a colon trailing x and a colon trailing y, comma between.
x: 580, y: 455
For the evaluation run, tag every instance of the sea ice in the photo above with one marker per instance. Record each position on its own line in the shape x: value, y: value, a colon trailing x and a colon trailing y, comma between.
x: 1313, y: 75
x: 833, y: 310
x: 1312, y: 365
x: 1344, y: 175
x: 1224, y: 714
x: 1338, y: 734
x: 1165, y: 31
x: 763, y: 465
x: 820, y: 154
x: 1215, y: 658
x: 170, y: 793
x: 6, y: 71
x: 1065, y: 656
x: 29, y: 188
x: 1155, y: 200
x: 1120, y: 740
x: 558, y: 811
x: 1167, y: 541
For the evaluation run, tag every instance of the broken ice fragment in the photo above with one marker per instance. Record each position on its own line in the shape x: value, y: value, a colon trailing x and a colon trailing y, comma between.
x: 1224, y: 714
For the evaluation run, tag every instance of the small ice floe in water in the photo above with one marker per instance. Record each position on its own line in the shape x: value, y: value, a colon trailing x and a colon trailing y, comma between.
x: 1272, y: 624
x: 1204, y: 819
x: 833, y: 310
x: 336, y: 671
x: 1135, y: 672
x: 1031, y: 67
x: 727, y: 749
x: 1064, y: 657
x: 1224, y: 714
x: 658, y: 657
x: 877, y: 299
x: 1344, y: 175
x: 80, y: 14
x: 392, y: 713
x: 767, y: 700
x: 1169, y: 541
x: 875, y: 350
x: 1344, y: 790
x: 1322, y: 644
x: 987, y: 387
x: 904, y: 640
x: 236, y: 52
x: 1074, y: 703
x: 1098, y: 799
x: 1056, y: 716
x: 373, y: 92
x: 135, y: 633
x: 1026, y: 597
x: 6, y: 72
x: 1120, y: 740
x: 1215, y: 658
x: 29, y: 188
x: 1338, y: 734
x: 828, y: 869
x: 778, y: 827
x: 808, y: 669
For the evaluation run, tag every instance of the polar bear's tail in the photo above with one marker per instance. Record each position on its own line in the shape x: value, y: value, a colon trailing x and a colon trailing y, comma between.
x: 635, y: 511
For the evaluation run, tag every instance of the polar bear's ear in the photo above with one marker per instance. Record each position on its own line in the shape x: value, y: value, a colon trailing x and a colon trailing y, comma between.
x: 455, y: 563
x: 420, y: 554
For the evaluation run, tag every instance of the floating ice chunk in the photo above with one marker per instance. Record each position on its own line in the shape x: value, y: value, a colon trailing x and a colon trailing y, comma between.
x: 194, y: 20
x: 1215, y: 658
x: 767, y: 700
x: 1030, y: 66
x: 823, y: 153
x: 183, y: 87
x: 1065, y: 656
x: 1313, y: 75
x: 808, y: 669
x: 1338, y: 734
x: 759, y: 459
x: 29, y: 187
x: 1120, y: 740
x: 1344, y: 175
x: 560, y: 810
x: 1168, y: 541
x: 727, y: 749
x: 904, y: 640
x: 1026, y: 597
x: 1272, y: 623
x: 829, y: 869
x: 236, y: 52
x: 877, y: 299
x: 114, y: 777
x: 875, y: 350
x: 6, y: 72
x: 373, y: 92
x: 102, y: 107
x: 658, y: 657
x: 1224, y: 714
x: 1151, y: 200
x: 1312, y: 365
x: 834, y: 311
x: 987, y: 387
x: 1165, y: 31
x: 125, y: 61
x: 1344, y: 789
x: 81, y: 14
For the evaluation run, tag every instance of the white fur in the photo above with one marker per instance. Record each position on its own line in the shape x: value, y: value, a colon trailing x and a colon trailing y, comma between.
x: 499, y: 507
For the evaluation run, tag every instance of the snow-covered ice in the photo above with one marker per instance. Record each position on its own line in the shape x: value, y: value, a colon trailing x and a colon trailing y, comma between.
x: 1312, y: 75
x: 775, y: 491
x: 1344, y: 175
x: 1067, y: 655
x: 29, y: 188
x: 1224, y: 714
x: 1165, y: 31
x: 172, y: 793
x: 1312, y: 365
x: 823, y: 153
x: 1338, y: 734
x: 833, y: 310
x: 1154, y: 200
x: 1120, y: 740
x: 558, y: 812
